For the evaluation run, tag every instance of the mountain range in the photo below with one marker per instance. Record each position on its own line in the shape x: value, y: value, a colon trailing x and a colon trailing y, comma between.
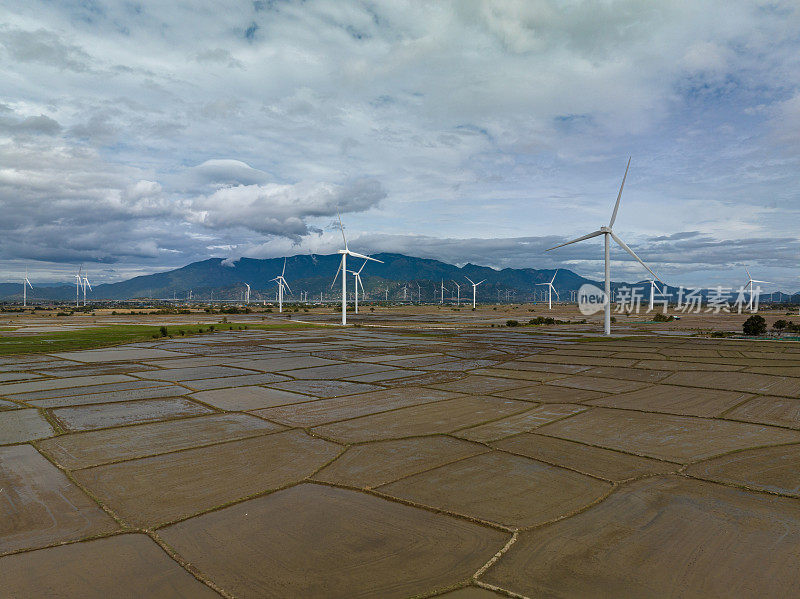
x: 313, y: 273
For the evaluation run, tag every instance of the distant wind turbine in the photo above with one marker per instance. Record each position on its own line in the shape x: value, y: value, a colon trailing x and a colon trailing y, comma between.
x: 550, y: 290
x: 750, y: 281
x: 474, y: 288
x: 608, y: 234
x: 653, y: 289
x: 343, y: 269
x: 246, y: 294
x: 25, y: 284
x: 78, y: 282
x: 85, y: 285
x: 281, y: 284
x: 458, y: 296
x: 357, y: 281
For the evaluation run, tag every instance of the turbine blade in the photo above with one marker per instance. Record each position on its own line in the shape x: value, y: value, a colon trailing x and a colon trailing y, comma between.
x: 554, y: 276
x: 356, y: 255
x: 554, y: 289
x: 748, y: 273
x: 470, y: 280
x: 639, y: 260
x: 342, y: 229
x: 479, y: 282
x: 283, y: 272
x: 589, y: 236
x: 287, y: 285
x: 619, y: 196
x: 358, y: 278
x: 338, y: 270
x: 362, y: 267
x: 757, y: 281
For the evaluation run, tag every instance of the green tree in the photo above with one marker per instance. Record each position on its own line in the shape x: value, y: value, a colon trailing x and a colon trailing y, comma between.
x: 755, y: 325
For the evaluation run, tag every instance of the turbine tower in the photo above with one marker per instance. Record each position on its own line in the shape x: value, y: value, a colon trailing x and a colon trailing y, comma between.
x: 608, y: 235
x: 474, y: 288
x: 281, y: 284
x: 550, y: 290
x: 343, y: 269
x: 246, y: 294
x: 25, y: 284
x: 441, y: 299
x: 750, y: 281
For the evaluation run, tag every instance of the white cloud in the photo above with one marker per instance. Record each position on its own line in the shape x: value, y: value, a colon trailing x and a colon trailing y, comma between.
x: 282, y: 209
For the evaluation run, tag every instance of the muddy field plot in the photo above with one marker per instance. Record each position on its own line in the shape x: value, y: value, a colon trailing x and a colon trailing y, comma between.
x: 378, y: 462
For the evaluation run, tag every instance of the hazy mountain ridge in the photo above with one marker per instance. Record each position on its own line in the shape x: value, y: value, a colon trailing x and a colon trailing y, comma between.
x: 314, y: 273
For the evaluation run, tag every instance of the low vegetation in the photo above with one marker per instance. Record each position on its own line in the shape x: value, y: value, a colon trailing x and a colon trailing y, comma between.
x: 663, y: 318
x: 106, y: 336
x: 540, y: 320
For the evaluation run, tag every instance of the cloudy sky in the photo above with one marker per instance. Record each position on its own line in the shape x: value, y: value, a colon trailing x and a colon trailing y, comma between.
x: 137, y: 136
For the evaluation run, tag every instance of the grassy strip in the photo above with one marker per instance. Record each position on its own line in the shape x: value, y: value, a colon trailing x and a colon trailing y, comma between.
x: 105, y: 336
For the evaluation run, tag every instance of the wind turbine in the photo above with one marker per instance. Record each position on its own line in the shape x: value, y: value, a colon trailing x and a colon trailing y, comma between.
x: 750, y: 281
x: 357, y: 282
x: 246, y: 294
x: 653, y: 289
x: 85, y: 285
x: 281, y: 283
x: 474, y: 288
x: 441, y: 300
x: 608, y: 235
x: 343, y: 269
x: 78, y: 282
x: 458, y: 296
x: 550, y: 290
x: 25, y: 282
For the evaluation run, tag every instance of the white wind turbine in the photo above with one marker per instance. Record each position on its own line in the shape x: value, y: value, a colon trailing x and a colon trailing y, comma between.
x: 25, y: 284
x: 85, y: 285
x: 750, y: 281
x: 608, y: 235
x: 357, y: 281
x: 247, y: 294
x: 343, y: 269
x: 441, y: 300
x: 653, y: 289
x: 78, y: 282
x: 281, y: 284
x: 550, y: 290
x: 474, y: 288
x: 458, y: 296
